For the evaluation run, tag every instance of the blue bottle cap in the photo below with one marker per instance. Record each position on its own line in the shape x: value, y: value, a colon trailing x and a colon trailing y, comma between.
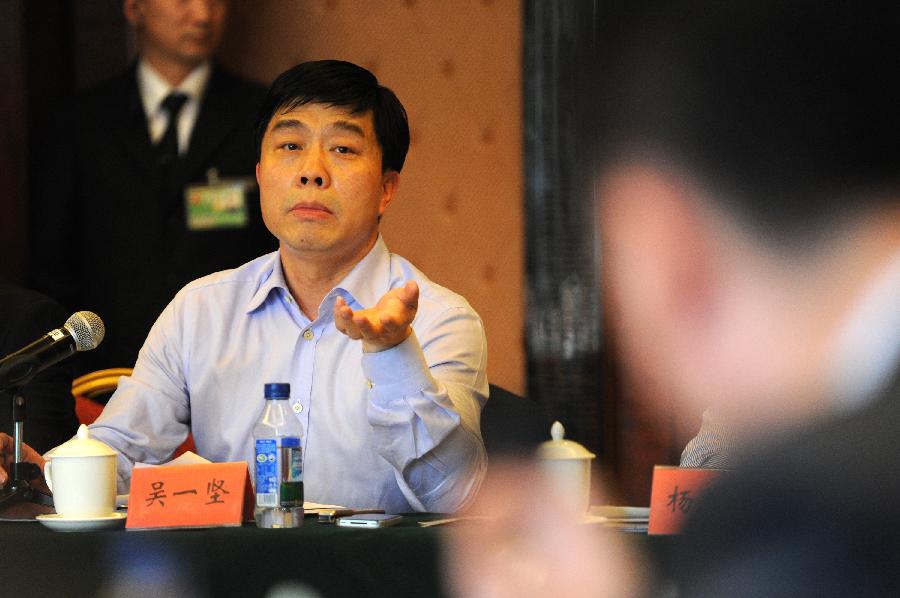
x: 278, y: 390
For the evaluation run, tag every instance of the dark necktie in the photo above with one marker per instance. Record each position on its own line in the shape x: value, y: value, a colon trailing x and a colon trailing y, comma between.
x: 167, y: 148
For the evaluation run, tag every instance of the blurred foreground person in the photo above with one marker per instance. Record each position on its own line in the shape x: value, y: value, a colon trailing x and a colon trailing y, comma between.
x: 751, y: 225
x: 750, y: 219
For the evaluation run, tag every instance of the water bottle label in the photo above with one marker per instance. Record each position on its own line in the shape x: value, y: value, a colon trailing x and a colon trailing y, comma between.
x: 291, y: 494
x: 266, y: 472
x: 291, y: 460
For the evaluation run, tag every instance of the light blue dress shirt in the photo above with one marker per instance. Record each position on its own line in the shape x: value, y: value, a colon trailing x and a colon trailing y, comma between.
x: 398, y: 429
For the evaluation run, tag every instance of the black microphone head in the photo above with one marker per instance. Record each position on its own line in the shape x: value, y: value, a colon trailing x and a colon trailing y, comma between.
x: 86, y: 329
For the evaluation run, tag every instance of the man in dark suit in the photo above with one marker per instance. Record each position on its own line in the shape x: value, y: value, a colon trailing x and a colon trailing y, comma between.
x: 146, y: 181
x: 50, y: 407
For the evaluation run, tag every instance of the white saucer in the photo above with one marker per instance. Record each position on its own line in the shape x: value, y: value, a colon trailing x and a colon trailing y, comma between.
x: 62, y: 524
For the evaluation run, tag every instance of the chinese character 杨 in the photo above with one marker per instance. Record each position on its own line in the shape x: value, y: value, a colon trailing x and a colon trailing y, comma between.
x: 682, y: 503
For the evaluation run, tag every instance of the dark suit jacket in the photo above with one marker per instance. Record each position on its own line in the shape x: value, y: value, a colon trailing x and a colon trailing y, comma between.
x: 49, y: 408
x: 816, y: 515
x: 108, y: 232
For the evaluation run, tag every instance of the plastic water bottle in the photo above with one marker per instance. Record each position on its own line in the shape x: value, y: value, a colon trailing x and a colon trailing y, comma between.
x: 279, y: 462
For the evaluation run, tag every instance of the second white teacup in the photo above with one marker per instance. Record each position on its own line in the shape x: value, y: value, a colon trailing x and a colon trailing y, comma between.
x: 568, y: 467
x: 81, y: 473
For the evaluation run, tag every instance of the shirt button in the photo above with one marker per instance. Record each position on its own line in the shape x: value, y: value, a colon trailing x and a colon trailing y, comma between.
x: 308, y: 334
x: 369, y: 384
x: 298, y: 407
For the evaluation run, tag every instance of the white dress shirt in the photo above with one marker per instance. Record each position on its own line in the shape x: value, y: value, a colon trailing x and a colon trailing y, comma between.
x: 154, y: 89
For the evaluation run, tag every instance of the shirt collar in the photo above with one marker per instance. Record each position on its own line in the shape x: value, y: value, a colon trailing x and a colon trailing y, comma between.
x: 154, y: 88
x: 272, y: 277
x: 361, y: 288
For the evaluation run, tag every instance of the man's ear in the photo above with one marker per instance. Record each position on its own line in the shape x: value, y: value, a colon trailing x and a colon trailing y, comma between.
x: 390, y: 181
x: 257, y: 174
x: 659, y: 259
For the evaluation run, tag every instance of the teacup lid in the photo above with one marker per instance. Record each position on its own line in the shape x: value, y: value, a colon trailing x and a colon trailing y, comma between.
x: 558, y: 448
x: 81, y: 446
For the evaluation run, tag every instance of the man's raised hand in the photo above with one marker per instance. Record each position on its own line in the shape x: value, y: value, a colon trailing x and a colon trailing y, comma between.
x: 384, y: 326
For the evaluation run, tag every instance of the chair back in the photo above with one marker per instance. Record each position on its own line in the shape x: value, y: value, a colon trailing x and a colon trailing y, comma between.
x: 512, y: 425
x: 92, y: 385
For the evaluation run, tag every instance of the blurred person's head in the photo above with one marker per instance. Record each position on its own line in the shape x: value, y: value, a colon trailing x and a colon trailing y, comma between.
x: 340, y: 84
x: 175, y: 36
x: 750, y: 191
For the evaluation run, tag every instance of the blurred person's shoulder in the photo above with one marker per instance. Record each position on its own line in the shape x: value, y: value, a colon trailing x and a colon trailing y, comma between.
x: 32, y: 313
x: 13, y: 295
x: 828, y: 493
x: 845, y: 453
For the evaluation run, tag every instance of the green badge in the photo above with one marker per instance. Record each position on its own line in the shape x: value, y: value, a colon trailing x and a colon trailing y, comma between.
x: 219, y: 205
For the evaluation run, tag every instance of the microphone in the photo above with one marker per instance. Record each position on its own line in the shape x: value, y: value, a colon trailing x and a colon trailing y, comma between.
x: 83, y: 331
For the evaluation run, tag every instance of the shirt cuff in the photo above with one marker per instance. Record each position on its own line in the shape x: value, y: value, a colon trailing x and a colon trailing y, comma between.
x: 397, y: 372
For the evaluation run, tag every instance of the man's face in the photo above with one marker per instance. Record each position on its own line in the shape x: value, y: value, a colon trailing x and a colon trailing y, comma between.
x: 321, y: 185
x: 184, y: 31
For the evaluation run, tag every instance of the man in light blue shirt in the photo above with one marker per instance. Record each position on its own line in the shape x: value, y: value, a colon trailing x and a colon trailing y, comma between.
x: 387, y: 369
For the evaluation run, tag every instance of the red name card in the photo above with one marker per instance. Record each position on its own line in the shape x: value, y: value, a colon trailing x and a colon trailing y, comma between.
x: 203, y: 495
x: 674, y: 495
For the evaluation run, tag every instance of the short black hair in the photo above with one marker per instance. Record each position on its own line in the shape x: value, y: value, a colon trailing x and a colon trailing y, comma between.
x: 346, y: 85
x: 785, y: 107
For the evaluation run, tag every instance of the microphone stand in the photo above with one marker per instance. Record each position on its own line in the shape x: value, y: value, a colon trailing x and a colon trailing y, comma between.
x: 18, y: 490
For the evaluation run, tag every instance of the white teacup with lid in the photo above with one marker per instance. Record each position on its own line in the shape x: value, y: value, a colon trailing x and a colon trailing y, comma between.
x: 81, y: 473
x: 568, y: 465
